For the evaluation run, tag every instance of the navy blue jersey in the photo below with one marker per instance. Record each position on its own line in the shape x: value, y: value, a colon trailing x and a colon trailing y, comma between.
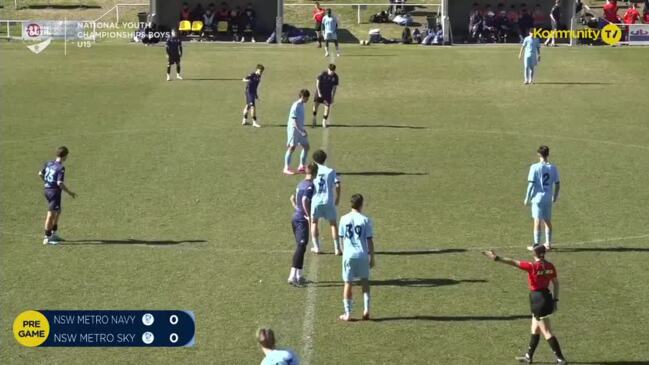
x: 174, y: 47
x: 53, y: 174
x: 304, y: 191
x: 327, y: 82
x: 253, y: 83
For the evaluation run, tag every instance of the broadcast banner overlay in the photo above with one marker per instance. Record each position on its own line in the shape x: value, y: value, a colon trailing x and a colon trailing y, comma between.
x: 155, y: 328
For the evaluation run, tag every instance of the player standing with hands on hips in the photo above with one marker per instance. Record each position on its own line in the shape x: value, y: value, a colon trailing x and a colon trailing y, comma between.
x: 540, y: 274
x: 174, y: 48
x: 532, y: 48
x: 542, y: 191
x: 53, y: 175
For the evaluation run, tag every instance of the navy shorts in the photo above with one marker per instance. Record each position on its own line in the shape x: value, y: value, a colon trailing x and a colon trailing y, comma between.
x: 53, y: 197
x: 301, y: 231
x: 325, y: 99
x: 250, y: 99
x: 173, y: 60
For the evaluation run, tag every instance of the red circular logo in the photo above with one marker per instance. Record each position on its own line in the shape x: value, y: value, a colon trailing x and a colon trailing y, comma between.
x: 33, y: 30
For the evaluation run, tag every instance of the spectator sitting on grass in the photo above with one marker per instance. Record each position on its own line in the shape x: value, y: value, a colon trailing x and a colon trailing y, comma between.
x: 406, y: 36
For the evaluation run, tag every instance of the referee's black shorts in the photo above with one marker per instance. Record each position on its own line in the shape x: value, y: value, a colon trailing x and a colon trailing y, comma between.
x: 541, y: 303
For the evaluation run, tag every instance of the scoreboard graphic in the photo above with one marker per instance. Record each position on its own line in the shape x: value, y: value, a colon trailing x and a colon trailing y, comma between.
x: 113, y: 328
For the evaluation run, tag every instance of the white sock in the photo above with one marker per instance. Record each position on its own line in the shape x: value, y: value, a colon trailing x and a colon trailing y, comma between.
x: 366, y: 302
x: 337, y: 244
x: 298, y: 274
x: 291, y: 276
x: 316, y: 241
x: 548, y: 235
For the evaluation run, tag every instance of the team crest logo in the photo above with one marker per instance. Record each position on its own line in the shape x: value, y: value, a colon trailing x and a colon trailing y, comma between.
x: 33, y: 32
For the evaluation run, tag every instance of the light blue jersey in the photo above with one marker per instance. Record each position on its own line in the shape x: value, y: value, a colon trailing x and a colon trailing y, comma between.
x: 543, y: 176
x: 355, y: 229
x: 325, y: 184
x: 532, y: 47
x: 330, y: 24
x: 281, y: 357
x: 297, y: 114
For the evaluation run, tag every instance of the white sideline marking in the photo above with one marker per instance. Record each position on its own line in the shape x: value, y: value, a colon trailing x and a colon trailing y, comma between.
x: 311, y: 294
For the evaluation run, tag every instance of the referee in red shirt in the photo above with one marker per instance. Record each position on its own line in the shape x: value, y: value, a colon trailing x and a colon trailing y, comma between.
x: 540, y: 274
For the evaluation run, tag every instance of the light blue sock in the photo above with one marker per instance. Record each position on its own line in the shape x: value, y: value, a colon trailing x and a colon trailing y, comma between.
x: 347, y: 305
x: 366, y: 301
x: 303, y: 157
x: 548, y: 235
x: 537, y: 237
x: 287, y: 158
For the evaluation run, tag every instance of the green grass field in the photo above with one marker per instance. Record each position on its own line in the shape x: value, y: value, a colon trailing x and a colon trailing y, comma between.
x: 180, y: 207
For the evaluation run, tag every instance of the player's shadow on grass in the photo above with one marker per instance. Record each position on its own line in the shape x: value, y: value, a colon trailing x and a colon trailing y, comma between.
x: 210, y: 79
x: 452, y: 318
x: 603, y: 249
x: 406, y: 282
x: 421, y: 252
x: 376, y: 126
x: 572, y: 83
x: 370, y: 55
x: 611, y: 362
x: 131, y: 241
x: 382, y: 173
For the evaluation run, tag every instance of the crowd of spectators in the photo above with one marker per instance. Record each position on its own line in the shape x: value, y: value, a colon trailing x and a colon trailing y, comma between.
x: 207, y: 22
x: 506, y: 24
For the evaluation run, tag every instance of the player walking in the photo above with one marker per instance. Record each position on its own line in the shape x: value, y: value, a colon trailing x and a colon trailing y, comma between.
x: 532, y: 48
x: 174, y: 49
x: 324, y: 203
x: 252, y: 84
x: 273, y: 356
x: 358, y: 255
x: 325, y: 90
x: 301, y: 202
x: 296, y: 134
x: 53, y: 175
x: 540, y: 274
x: 330, y: 25
x: 542, y: 178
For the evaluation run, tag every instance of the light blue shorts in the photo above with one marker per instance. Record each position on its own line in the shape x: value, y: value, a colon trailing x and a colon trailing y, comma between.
x: 542, y: 209
x: 330, y: 36
x: 295, y: 138
x: 327, y: 212
x: 355, y: 268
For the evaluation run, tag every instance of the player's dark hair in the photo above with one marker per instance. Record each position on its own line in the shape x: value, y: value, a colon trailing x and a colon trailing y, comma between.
x: 304, y: 93
x: 62, y: 152
x: 544, y: 151
x: 329, y: 11
x: 260, y: 67
x: 357, y: 201
x: 332, y: 67
x: 539, y: 251
x: 312, y: 168
x: 320, y: 156
x: 266, y: 338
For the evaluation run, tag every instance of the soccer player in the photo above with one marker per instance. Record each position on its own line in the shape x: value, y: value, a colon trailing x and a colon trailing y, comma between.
x: 318, y: 14
x: 252, y: 84
x: 330, y: 25
x: 358, y: 255
x: 555, y: 16
x: 540, y: 274
x: 532, y: 48
x: 53, y: 175
x: 542, y: 178
x: 174, y: 49
x: 301, y: 202
x: 324, y: 203
x: 296, y: 134
x: 325, y: 90
x: 273, y: 356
